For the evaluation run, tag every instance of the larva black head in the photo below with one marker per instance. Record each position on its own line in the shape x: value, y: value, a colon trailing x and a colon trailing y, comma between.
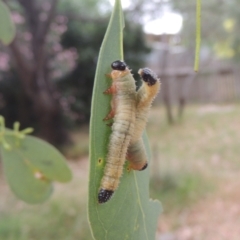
x: 144, y: 167
x: 104, y: 195
x: 148, y: 76
x: 119, y: 65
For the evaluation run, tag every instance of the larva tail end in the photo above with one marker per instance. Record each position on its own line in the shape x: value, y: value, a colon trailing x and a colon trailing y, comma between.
x: 144, y: 167
x: 148, y: 76
x: 138, y: 167
x: 104, y: 195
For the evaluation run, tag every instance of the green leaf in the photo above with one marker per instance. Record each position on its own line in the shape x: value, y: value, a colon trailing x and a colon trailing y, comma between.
x: 7, y: 27
x: 30, y: 167
x: 129, y: 214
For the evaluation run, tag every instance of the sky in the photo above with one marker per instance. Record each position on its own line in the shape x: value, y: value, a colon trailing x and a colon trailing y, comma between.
x: 169, y: 22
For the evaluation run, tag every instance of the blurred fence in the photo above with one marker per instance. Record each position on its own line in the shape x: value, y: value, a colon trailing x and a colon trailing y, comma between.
x: 216, y: 82
x: 215, y: 87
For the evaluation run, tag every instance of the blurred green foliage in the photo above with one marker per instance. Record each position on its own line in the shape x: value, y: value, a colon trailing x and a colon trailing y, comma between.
x: 7, y: 28
x: 179, y: 189
x: 61, y: 218
x: 86, y: 24
x: 220, y: 21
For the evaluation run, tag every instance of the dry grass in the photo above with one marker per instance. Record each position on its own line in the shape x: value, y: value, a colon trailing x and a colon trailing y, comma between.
x: 198, y: 168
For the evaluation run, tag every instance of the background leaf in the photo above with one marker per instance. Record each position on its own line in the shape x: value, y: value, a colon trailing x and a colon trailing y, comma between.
x: 129, y: 214
x: 31, y: 166
x: 7, y: 28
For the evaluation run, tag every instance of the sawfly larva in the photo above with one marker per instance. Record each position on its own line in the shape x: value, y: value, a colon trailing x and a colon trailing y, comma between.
x: 123, y: 107
x: 145, y: 95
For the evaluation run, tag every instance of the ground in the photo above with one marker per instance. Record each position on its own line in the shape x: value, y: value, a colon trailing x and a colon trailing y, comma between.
x: 215, y: 212
x: 194, y: 173
x: 214, y: 217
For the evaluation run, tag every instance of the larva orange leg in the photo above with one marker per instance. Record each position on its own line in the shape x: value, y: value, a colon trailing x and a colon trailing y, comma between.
x: 108, y: 75
x: 111, y: 90
x: 110, y: 115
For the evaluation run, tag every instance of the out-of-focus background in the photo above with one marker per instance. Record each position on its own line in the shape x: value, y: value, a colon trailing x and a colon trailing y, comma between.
x: 46, y: 80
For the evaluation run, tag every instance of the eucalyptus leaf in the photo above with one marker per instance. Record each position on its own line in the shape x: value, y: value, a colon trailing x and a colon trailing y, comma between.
x: 129, y: 214
x: 30, y: 166
x: 7, y: 27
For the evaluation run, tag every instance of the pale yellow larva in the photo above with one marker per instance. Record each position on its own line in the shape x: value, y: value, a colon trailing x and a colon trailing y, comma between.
x: 145, y: 96
x: 123, y: 111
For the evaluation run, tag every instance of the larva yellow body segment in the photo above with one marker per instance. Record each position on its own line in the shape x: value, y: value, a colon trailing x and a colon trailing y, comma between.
x: 145, y: 96
x: 124, y: 106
